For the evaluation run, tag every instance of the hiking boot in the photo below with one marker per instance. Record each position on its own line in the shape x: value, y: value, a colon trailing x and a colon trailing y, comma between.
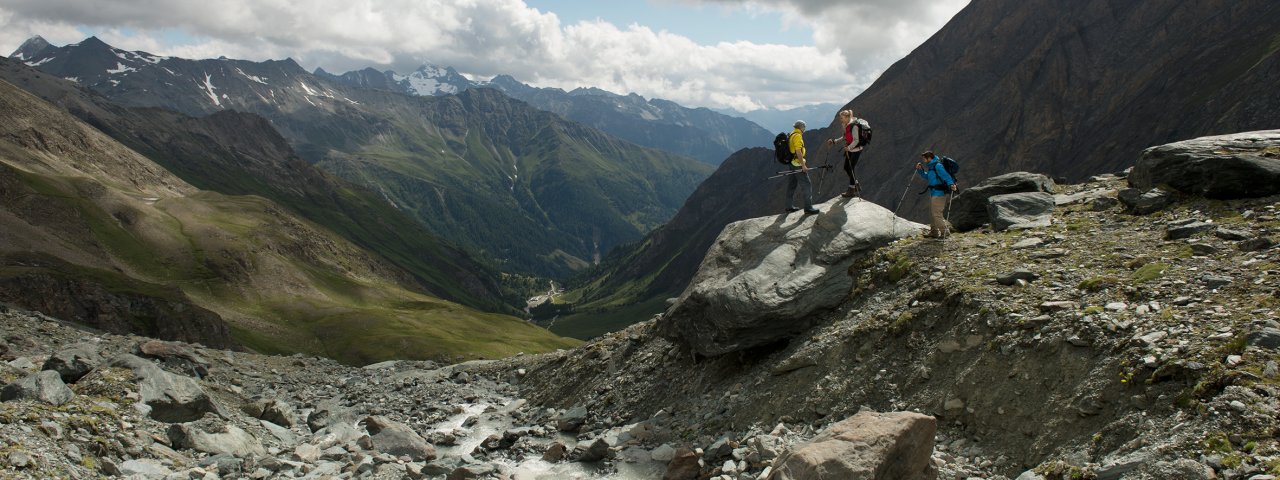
x: 793, y: 209
x: 813, y: 211
x: 853, y: 191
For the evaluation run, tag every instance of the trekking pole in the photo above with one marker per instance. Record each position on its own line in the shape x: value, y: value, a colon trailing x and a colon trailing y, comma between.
x: 828, y: 166
x: 784, y: 173
x: 911, y: 178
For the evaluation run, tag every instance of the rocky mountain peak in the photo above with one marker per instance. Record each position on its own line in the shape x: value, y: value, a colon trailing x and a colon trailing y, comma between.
x: 30, y: 48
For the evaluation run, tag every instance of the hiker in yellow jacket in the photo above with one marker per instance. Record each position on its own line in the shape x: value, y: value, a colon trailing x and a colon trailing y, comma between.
x: 798, y: 162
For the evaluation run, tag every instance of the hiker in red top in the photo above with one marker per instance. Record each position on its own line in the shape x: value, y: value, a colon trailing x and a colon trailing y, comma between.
x: 857, y: 133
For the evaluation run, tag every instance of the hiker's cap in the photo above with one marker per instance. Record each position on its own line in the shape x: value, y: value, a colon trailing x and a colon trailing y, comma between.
x: 799, y: 124
x: 926, y: 154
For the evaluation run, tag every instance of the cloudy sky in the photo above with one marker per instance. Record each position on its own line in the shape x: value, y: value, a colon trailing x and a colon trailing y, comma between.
x: 741, y: 54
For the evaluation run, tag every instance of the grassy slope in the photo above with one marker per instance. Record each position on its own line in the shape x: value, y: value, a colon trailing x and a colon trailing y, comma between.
x: 283, y: 284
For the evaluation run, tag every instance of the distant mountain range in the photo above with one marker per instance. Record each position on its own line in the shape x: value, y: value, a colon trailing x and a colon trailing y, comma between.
x: 782, y: 120
x: 1006, y: 85
x: 703, y: 134
x: 94, y: 231
x: 539, y: 194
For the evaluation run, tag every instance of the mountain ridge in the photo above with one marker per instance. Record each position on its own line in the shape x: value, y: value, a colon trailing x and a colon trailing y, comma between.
x: 381, y: 140
x: 701, y: 133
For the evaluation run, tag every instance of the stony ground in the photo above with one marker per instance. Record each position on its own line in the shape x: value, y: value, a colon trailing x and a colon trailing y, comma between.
x: 1106, y: 345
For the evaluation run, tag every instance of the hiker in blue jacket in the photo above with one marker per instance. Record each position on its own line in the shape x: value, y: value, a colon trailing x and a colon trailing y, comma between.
x: 940, y: 184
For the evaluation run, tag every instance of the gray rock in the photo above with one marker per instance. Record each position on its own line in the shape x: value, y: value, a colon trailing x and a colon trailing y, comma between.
x: 1059, y: 305
x: 326, y: 414
x: 1187, y: 230
x: 172, y: 398
x: 279, y: 412
x: 867, y: 445
x: 1144, y: 202
x: 1256, y: 244
x: 1203, y: 249
x: 1083, y: 197
x: 145, y: 468
x: 1226, y: 166
x: 1232, y: 235
x: 231, y: 440
x: 1020, y: 210
x: 664, y: 453
x: 1215, y: 281
x: 1182, y: 469
x: 397, y: 439
x: 764, y: 277
x: 1027, y: 243
x: 19, y: 460
x: 469, y: 472
x: 1013, y: 277
x: 1265, y: 338
x: 969, y: 209
x: 572, y: 419
x: 1030, y: 475
x: 1104, y: 203
x: 74, y: 362
x: 597, y: 451
x: 1119, y: 468
x: 177, y: 356
x: 44, y: 386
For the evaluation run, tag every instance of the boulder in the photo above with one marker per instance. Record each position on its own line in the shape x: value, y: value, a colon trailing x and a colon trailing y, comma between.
x: 572, y: 419
x: 763, y: 277
x: 397, y: 439
x: 1020, y: 210
x: 1186, y: 230
x: 74, y: 362
x: 44, y: 386
x: 969, y: 208
x: 1241, y: 165
x: 1144, y: 202
x: 598, y: 450
x: 869, y: 445
x: 173, y: 398
x: 230, y: 440
x: 278, y: 412
x: 177, y: 356
x: 683, y: 466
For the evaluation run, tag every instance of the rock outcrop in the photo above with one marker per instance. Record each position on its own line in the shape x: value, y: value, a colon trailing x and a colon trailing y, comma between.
x: 1241, y: 165
x: 764, y: 276
x: 969, y: 210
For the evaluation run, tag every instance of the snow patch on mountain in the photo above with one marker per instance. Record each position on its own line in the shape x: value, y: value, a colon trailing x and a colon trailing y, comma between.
x: 252, y: 77
x: 419, y: 85
x: 40, y: 62
x: 209, y: 88
x: 121, y: 68
x: 308, y: 90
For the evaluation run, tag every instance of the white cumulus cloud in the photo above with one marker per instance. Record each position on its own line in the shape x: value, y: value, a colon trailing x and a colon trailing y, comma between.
x: 853, y: 41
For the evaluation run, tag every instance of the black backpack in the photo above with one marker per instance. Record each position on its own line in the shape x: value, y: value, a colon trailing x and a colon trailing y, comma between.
x: 952, y: 167
x: 864, y: 132
x: 782, y: 149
